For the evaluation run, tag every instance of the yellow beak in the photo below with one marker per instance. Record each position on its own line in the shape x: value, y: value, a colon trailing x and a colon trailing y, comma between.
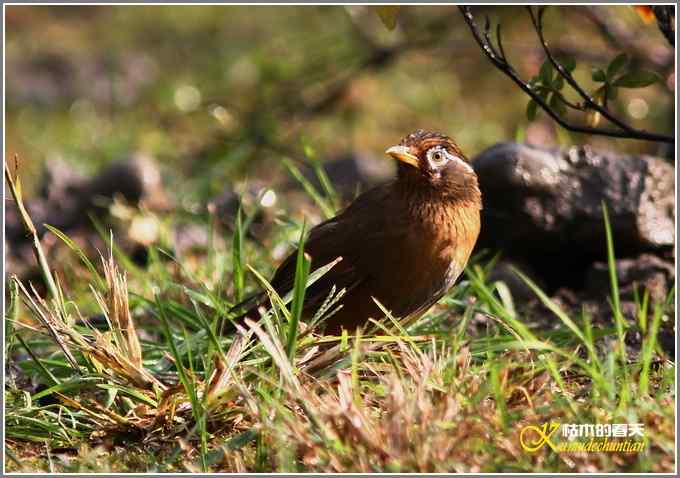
x: 403, y: 154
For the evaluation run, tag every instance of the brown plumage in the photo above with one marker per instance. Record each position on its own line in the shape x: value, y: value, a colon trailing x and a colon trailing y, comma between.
x: 404, y: 243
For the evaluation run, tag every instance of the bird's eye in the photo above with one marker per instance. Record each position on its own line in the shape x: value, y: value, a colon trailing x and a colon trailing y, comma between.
x: 437, y: 157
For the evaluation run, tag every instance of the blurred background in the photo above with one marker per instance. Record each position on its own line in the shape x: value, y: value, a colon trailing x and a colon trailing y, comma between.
x: 161, y: 121
x: 221, y: 92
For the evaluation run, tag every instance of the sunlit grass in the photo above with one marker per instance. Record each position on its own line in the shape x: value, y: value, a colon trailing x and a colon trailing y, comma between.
x: 157, y: 383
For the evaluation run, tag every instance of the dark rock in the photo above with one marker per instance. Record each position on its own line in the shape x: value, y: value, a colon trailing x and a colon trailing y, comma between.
x: 66, y: 200
x: 136, y: 179
x: 545, y: 206
x: 190, y: 237
x: 14, y: 228
x: 646, y: 271
x: 520, y: 291
x: 225, y: 207
x: 666, y: 339
x: 19, y: 259
x: 60, y: 181
x: 139, y: 255
x: 58, y: 203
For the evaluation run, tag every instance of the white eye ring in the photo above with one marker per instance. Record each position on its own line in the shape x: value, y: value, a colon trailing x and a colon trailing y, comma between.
x: 438, y: 156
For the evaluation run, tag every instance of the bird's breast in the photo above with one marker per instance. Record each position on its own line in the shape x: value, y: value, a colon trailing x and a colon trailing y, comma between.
x: 429, y: 258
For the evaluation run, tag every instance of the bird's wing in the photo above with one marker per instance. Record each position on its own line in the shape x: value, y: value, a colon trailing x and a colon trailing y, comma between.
x: 357, y: 235
x: 324, y: 245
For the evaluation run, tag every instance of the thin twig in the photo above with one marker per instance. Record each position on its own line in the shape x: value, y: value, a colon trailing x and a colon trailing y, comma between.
x: 537, y: 21
x: 499, y: 60
x: 665, y: 20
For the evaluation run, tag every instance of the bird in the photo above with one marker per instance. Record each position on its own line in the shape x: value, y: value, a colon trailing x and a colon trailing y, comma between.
x: 403, y: 243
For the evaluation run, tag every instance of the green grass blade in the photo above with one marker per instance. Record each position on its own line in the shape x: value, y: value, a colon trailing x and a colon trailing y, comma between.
x: 323, y: 178
x: 209, y: 329
x: 46, y: 373
x: 187, y: 383
x: 552, y: 368
x: 11, y: 316
x: 322, y: 202
x: 120, y: 254
x: 27, y: 222
x: 497, y: 308
x: 101, y: 284
x: 311, y: 279
x: 237, y: 257
x: 552, y: 306
x: 648, y: 346
x: 302, y: 265
x: 590, y: 341
x: 614, y: 284
x: 619, y: 321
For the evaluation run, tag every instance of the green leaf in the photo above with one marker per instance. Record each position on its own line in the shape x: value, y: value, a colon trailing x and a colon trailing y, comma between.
x: 546, y: 72
x: 388, y: 15
x: 637, y: 79
x: 599, y: 75
x: 616, y: 65
x: 569, y: 63
x: 41, y: 366
x: 558, y: 84
x: 532, y: 108
x: 612, y: 92
x: 557, y: 105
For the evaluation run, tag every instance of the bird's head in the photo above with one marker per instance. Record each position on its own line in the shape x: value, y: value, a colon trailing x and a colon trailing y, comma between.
x: 433, y: 161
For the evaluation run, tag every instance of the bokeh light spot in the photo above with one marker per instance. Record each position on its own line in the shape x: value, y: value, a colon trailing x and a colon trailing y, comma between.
x: 187, y: 98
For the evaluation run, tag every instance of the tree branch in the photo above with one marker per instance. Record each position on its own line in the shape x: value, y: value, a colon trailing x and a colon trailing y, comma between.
x: 499, y: 60
x: 665, y: 20
x: 590, y: 102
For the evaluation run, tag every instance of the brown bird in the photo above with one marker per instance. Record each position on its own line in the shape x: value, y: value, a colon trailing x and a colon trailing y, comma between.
x: 403, y: 243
